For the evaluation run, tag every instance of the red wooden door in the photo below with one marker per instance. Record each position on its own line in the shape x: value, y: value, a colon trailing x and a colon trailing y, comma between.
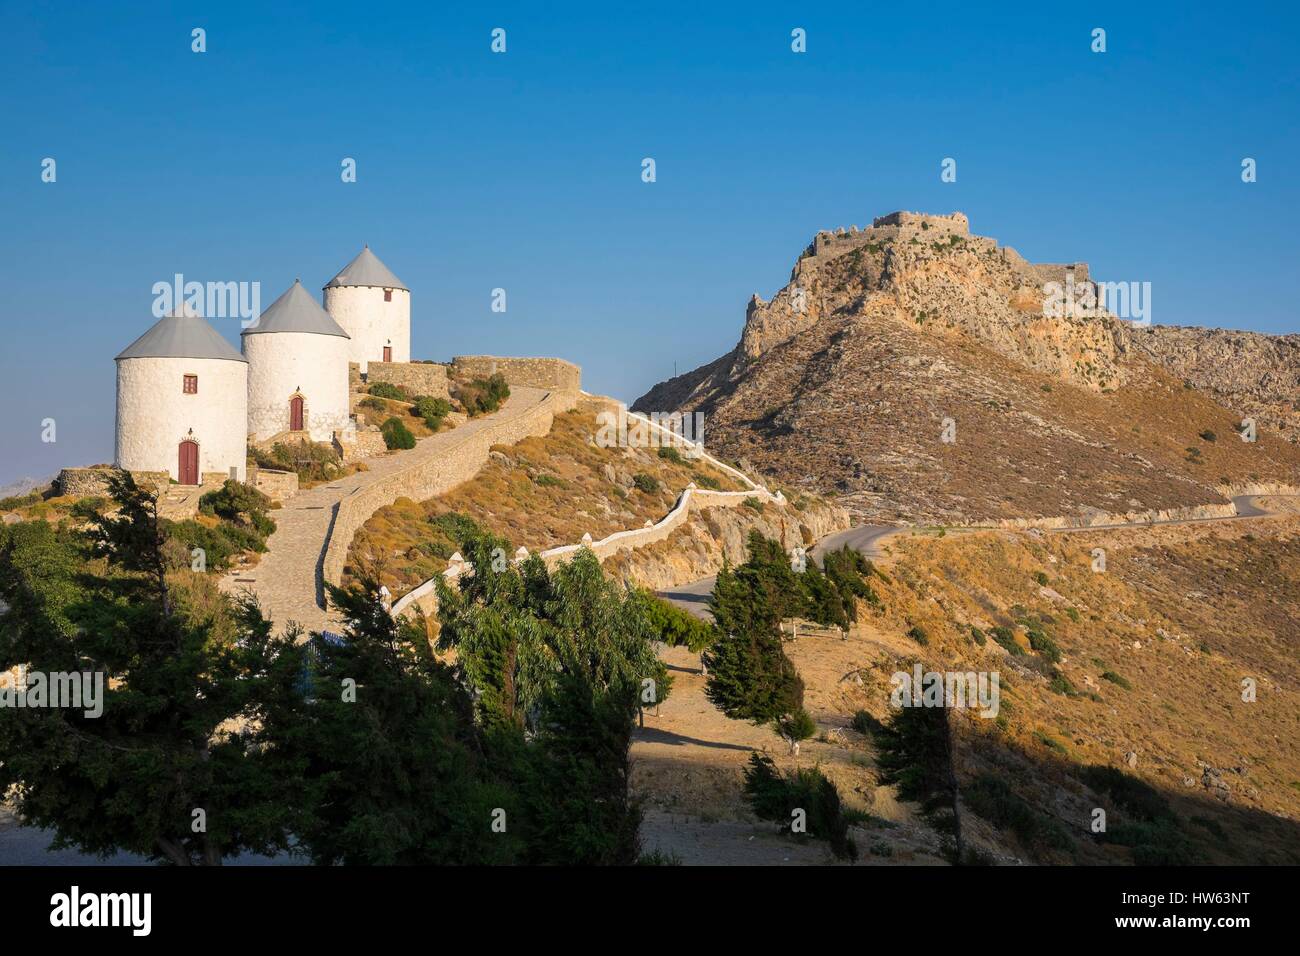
x: 188, y: 467
x: 295, y: 413
x: 388, y: 353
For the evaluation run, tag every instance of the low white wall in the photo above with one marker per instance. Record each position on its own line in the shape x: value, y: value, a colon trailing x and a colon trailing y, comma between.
x: 692, y: 499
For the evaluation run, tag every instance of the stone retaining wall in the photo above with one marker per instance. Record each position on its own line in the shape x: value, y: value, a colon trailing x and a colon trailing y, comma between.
x: 692, y: 499
x: 436, y: 476
x: 1103, y: 518
x: 84, y: 482
x: 362, y: 443
x: 276, y: 485
x: 93, y: 482
x: 536, y: 372
x: 418, y: 378
x: 424, y: 596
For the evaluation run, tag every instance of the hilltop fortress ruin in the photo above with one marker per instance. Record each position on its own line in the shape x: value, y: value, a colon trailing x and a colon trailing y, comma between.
x: 930, y: 270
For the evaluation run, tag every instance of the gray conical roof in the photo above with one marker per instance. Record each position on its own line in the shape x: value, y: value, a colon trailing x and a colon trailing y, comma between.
x: 183, y: 334
x: 366, y: 269
x: 295, y: 311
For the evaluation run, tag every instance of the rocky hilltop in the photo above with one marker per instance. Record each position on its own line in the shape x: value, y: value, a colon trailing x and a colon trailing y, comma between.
x: 887, y: 340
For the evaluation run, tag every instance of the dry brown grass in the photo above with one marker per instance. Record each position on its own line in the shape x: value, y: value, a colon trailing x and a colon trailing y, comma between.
x: 1182, y: 614
x: 540, y: 493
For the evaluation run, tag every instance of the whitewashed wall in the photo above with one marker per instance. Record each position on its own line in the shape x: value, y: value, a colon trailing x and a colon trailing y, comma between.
x: 154, y: 414
x: 371, y: 322
x: 282, y: 363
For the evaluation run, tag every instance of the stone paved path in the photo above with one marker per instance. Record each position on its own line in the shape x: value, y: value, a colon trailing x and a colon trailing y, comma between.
x: 288, y: 580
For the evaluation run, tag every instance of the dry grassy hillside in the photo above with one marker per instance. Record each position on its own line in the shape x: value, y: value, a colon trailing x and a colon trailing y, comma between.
x: 540, y: 493
x: 1151, y: 656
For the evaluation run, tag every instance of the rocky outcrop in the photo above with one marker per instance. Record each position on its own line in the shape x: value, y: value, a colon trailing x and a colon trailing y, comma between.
x: 1257, y: 374
x: 918, y: 372
x: 698, y: 547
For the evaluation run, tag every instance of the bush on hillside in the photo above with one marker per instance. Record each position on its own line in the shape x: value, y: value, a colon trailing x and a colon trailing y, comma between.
x: 776, y: 797
x: 387, y: 390
x: 432, y: 410
x: 482, y: 395
x: 396, y: 434
x: 674, y: 626
x: 312, y: 462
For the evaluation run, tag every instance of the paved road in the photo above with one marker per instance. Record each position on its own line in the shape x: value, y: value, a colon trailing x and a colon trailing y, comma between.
x: 1246, y: 505
x: 694, y: 597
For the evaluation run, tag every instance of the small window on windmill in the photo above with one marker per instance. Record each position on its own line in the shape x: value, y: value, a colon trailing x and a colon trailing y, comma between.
x: 191, y: 386
x: 388, y: 295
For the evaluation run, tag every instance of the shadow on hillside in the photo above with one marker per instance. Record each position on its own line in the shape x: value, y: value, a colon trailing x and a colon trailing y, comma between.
x: 1146, y: 822
x: 656, y: 736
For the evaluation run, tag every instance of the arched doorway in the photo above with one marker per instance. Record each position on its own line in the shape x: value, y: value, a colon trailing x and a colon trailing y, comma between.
x: 187, y: 469
x: 295, y: 413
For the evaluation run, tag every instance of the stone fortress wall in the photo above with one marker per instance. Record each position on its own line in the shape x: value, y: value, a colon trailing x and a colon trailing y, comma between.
x: 837, y: 242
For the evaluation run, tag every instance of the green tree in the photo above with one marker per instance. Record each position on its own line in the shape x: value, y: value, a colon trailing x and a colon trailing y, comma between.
x: 558, y: 664
x: 749, y: 675
x: 174, y: 768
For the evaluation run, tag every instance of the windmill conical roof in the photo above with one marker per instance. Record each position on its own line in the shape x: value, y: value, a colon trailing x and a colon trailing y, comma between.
x: 295, y: 311
x: 182, y: 334
x: 366, y: 269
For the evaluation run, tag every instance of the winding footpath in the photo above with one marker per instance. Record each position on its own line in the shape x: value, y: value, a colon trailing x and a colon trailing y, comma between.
x: 288, y: 582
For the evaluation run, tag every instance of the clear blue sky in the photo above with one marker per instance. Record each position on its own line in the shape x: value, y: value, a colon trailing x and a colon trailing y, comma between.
x: 522, y: 170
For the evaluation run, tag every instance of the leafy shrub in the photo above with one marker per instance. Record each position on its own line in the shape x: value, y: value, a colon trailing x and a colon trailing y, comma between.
x: 1208, y: 435
x: 707, y: 481
x: 796, y: 726
x: 994, y: 800
x: 549, y: 481
x: 1150, y: 827
x: 647, y: 483
x: 917, y: 633
x: 387, y: 390
x: 240, y: 504
x: 396, y: 434
x: 482, y: 395
x: 754, y: 504
x: 1006, y: 638
x: 311, y: 461
x: 775, y: 797
x: 668, y: 453
x: 674, y: 626
x: 432, y: 410
x: 978, y: 636
x: 20, y: 501
x: 1060, y: 684
x: 1117, y: 679
x: 378, y: 404
x: 1044, y: 645
x: 1041, y: 578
